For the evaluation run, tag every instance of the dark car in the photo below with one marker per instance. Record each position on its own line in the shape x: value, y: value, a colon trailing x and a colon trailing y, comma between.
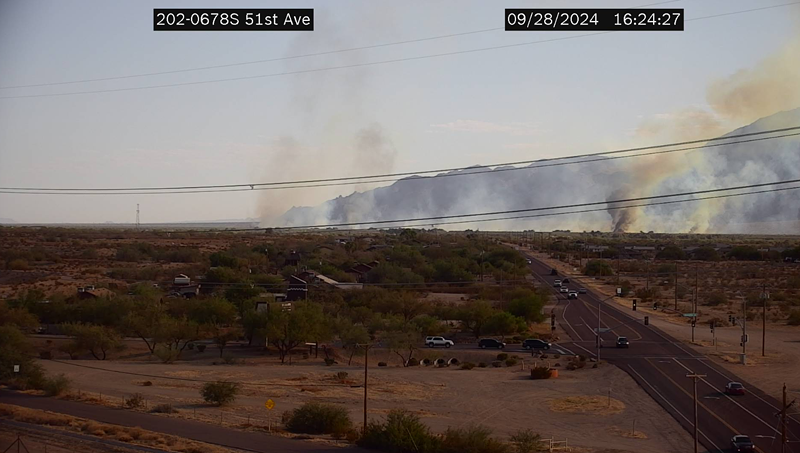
x: 566, y: 280
x: 553, y: 272
x: 491, y: 343
x: 532, y: 343
x: 581, y: 290
x: 741, y: 442
x: 622, y: 342
x: 734, y: 388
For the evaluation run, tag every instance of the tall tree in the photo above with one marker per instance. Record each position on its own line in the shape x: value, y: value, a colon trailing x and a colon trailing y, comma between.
x: 288, y: 329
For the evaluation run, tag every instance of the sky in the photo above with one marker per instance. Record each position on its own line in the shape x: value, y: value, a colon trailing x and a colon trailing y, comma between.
x: 542, y: 100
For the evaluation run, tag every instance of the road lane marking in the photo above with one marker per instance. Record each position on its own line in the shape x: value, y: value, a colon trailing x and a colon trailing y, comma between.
x: 713, y: 414
x: 590, y: 352
x: 673, y: 407
x: 729, y: 398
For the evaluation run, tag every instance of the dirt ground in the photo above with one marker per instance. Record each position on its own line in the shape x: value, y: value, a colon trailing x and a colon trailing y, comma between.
x: 41, y: 442
x: 503, y: 399
x: 780, y: 365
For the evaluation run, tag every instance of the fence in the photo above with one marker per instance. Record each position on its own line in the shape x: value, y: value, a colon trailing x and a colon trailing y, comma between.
x: 556, y: 445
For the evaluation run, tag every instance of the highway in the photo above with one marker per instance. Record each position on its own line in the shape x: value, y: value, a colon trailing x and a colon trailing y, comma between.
x: 659, y: 364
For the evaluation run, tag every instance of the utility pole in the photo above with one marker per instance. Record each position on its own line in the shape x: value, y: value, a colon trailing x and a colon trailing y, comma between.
x: 137, y: 216
x: 744, y: 331
x: 694, y: 302
x: 366, y: 369
x: 783, y: 421
x: 694, y: 378
x: 764, y: 297
x: 599, y: 339
x: 619, y: 269
x: 676, y: 286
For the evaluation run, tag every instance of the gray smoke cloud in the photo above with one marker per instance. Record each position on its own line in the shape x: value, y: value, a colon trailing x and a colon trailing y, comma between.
x: 756, y: 99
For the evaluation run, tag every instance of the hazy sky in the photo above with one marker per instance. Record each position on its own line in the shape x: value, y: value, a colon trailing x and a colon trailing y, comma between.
x: 525, y: 102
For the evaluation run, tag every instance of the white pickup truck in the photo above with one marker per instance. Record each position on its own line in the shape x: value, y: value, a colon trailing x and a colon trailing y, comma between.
x: 438, y: 341
x: 557, y: 283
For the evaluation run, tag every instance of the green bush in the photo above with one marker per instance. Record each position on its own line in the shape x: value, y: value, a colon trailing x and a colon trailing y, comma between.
x: 511, y: 361
x: 502, y: 356
x: 527, y: 441
x: 598, y: 268
x: 56, y: 385
x: 401, y: 433
x: 219, y: 392
x: 497, y: 363
x: 467, y: 366
x: 482, y: 365
x: 319, y: 418
x: 794, y: 318
x: 474, y: 439
x: 201, y: 347
x: 135, y: 401
x: 715, y: 299
x: 166, y: 355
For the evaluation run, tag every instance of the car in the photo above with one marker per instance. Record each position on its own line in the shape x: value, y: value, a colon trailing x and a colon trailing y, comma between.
x: 582, y: 291
x: 533, y: 343
x: 557, y: 283
x: 622, y: 342
x: 438, y: 341
x: 530, y: 262
x: 564, y: 289
x: 734, y: 388
x: 740, y: 442
x: 572, y: 295
x: 553, y: 272
x: 491, y: 343
x: 566, y: 280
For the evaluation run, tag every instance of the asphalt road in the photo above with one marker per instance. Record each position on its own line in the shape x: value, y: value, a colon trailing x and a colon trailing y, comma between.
x: 659, y: 364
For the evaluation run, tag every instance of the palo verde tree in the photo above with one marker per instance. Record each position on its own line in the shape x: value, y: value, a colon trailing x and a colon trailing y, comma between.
x: 286, y: 330
x: 474, y: 314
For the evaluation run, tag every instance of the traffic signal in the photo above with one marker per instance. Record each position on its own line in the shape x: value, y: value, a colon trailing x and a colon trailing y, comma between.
x: 712, y: 326
x: 694, y: 322
x: 730, y: 319
x: 647, y: 320
x: 634, y: 304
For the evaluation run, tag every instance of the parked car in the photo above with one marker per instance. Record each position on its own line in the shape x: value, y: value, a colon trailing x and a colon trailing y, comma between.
x: 532, y: 343
x: 564, y: 289
x: 582, y: 291
x: 557, y: 283
x: 740, y: 442
x: 438, y: 341
x: 491, y: 343
x: 622, y: 342
x: 734, y: 388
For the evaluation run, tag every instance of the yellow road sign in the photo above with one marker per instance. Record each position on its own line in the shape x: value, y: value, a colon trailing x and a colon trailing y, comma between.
x: 269, y: 404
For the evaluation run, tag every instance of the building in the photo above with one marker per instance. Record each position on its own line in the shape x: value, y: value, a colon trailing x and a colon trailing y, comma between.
x: 293, y: 259
x: 298, y: 289
x: 360, y: 270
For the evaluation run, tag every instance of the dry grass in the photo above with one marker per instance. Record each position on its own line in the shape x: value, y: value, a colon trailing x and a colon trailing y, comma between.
x: 627, y: 433
x: 587, y: 405
x: 135, y: 435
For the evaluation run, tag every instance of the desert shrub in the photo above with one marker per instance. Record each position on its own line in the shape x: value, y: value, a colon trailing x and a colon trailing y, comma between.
x: 744, y: 253
x: 540, y: 372
x: 647, y: 294
x: 167, y: 355
x: 467, y: 366
x: 715, y: 299
x: 572, y: 366
x: 135, y: 401
x: 526, y: 441
x: 556, y: 356
x: 598, y: 268
x: 502, y: 356
x: 147, y: 383
x: 402, y: 432
x: 18, y: 265
x: 706, y: 254
x: 381, y: 363
x: 582, y: 358
x: 511, y: 361
x: 319, y: 418
x: 482, y: 365
x: 163, y: 409
x: 342, y: 375
x: 201, y: 347
x: 543, y: 355
x: 190, y: 346
x: 219, y: 392
x: 794, y: 318
x: 497, y: 363
x: 228, y: 359
x: 46, y: 354
x: 329, y: 361
x: 474, y: 439
x: 56, y: 385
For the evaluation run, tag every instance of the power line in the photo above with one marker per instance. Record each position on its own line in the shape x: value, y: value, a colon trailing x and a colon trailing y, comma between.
x: 268, y: 60
x: 373, y: 63
x: 548, y: 208
x: 396, y: 177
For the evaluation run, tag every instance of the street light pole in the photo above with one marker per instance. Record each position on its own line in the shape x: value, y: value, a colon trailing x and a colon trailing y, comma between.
x: 599, y: 339
x: 764, y: 297
x: 366, y: 369
x: 694, y: 378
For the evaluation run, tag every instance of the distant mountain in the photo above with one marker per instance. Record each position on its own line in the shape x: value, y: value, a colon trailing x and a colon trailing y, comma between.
x: 6, y: 221
x: 554, y: 185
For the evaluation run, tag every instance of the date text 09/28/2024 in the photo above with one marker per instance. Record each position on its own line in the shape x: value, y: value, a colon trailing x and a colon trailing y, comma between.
x: 606, y: 19
x: 239, y: 19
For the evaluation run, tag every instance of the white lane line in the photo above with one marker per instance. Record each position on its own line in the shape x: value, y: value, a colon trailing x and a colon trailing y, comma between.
x: 564, y: 317
x: 729, y: 398
x: 590, y: 352
x: 590, y: 329
x: 673, y: 407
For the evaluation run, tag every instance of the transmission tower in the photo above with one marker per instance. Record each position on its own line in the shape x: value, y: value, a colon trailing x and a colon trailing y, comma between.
x: 137, y: 216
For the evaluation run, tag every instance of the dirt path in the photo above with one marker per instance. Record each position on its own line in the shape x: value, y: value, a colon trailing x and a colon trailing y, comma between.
x: 256, y: 442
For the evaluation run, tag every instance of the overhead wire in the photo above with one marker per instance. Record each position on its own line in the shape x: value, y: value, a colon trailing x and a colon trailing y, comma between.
x: 400, y: 176
x: 373, y: 63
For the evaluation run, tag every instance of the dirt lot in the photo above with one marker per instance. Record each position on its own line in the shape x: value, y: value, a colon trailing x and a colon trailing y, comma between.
x: 504, y: 399
x: 780, y: 365
x: 39, y: 442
